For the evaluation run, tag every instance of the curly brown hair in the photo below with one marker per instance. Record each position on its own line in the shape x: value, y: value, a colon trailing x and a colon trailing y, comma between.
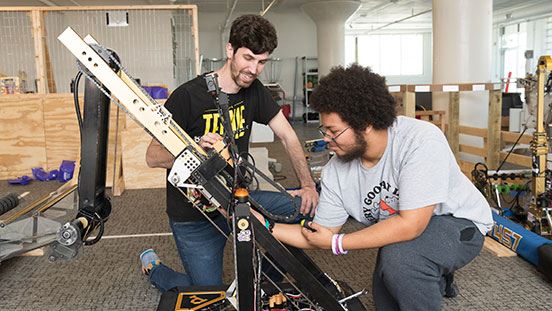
x: 358, y: 95
x: 253, y: 32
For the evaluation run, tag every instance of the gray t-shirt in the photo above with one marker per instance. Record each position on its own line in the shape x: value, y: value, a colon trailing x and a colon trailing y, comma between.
x: 417, y: 169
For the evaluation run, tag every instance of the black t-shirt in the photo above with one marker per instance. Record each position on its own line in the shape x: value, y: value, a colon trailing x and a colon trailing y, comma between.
x: 193, y: 108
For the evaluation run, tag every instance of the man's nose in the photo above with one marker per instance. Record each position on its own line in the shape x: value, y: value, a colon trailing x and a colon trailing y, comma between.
x: 254, y: 67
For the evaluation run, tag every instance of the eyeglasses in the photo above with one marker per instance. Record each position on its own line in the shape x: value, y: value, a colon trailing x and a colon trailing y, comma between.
x: 323, y: 131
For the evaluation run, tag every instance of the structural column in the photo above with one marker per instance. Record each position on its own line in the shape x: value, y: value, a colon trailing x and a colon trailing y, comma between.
x: 330, y: 17
x: 462, y: 49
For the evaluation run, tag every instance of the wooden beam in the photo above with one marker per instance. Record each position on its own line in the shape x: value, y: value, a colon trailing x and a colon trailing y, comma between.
x: 496, y: 248
x: 49, y: 72
x: 517, y: 159
x: 37, y: 24
x: 431, y: 113
x: 447, y: 87
x: 453, y: 134
x: 195, y: 34
x: 478, y: 151
x: 430, y: 117
x: 511, y: 137
x: 409, y: 104
x: 494, y: 130
x: 473, y: 131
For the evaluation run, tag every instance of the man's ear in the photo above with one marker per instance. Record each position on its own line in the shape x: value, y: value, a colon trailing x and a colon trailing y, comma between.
x: 229, y: 51
x: 368, y: 129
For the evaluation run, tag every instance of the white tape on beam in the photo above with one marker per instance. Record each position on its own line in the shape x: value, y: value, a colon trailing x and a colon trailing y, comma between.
x: 394, y: 88
x: 450, y: 88
x: 421, y: 88
x: 478, y: 87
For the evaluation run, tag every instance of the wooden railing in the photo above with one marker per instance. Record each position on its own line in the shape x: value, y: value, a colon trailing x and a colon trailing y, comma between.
x: 494, y: 138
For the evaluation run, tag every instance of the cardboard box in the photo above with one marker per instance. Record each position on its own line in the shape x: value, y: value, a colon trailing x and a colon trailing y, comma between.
x: 9, y: 85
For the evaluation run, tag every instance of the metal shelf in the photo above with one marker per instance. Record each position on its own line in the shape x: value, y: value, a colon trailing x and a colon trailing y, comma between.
x: 309, y: 64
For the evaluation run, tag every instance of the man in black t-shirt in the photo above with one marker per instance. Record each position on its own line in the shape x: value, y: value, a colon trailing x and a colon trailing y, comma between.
x: 200, y: 244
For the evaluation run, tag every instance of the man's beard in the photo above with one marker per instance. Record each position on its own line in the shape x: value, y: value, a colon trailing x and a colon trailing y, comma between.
x: 357, y: 149
x: 236, y: 76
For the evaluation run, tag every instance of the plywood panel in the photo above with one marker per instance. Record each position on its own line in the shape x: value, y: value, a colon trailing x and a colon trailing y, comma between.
x: 137, y: 174
x: 63, y: 134
x: 113, y: 128
x: 21, y: 135
x: 61, y: 129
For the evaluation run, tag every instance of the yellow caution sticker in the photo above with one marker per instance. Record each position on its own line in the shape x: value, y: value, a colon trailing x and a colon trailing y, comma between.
x: 197, y: 300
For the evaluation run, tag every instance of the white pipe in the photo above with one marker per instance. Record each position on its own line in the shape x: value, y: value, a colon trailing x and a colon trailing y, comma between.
x: 267, y: 8
x: 228, y: 15
x: 330, y: 17
x: 48, y: 3
x: 462, y: 50
x: 401, y: 20
x: 224, y: 27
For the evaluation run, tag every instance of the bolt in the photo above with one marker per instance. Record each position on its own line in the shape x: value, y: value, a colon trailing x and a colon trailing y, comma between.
x: 66, y: 235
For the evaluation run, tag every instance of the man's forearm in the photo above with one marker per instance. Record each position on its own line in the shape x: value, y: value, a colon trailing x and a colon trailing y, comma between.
x: 158, y: 157
x: 296, y: 155
x: 405, y: 226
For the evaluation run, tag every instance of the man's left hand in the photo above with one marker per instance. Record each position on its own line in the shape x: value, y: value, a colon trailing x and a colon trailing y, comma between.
x: 309, y: 200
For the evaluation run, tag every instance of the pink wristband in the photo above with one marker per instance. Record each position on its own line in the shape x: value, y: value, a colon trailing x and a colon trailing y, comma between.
x: 340, y: 245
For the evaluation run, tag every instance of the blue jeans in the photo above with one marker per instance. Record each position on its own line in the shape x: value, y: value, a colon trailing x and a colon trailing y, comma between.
x: 201, y: 246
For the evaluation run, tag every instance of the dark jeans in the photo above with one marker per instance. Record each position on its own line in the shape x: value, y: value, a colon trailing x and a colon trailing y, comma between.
x: 409, y: 275
x: 201, y: 246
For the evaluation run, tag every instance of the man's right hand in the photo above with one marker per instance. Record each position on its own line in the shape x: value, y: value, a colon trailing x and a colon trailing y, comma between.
x: 207, y: 140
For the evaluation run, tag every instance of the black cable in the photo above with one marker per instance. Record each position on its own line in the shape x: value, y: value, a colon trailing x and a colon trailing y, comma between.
x: 76, y: 100
x: 509, y: 152
x: 245, y: 156
x: 100, y: 232
x: 516, y: 198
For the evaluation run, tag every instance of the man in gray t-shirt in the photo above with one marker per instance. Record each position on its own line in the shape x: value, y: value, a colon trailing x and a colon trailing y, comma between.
x: 397, y: 176
x: 417, y: 169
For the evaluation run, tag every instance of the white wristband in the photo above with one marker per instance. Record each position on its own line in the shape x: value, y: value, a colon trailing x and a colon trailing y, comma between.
x: 340, y: 245
x: 335, y: 249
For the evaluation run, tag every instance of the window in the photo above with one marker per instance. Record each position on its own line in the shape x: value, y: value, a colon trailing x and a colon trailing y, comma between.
x: 548, y: 46
x: 399, y: 54
x: 514, y: 44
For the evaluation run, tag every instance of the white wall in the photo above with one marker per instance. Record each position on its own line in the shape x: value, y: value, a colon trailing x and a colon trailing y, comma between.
x: 296, y: 38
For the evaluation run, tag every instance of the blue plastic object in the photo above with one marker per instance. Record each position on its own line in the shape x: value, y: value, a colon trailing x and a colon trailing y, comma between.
x: 23, y: 180
x: 157, y: 91
x: 40, y: 174
x: 517, y: 238
x: 66, y: 170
